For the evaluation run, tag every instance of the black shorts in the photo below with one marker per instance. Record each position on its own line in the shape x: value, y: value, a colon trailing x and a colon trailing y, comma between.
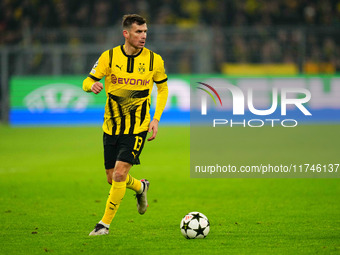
x: 125, y: 148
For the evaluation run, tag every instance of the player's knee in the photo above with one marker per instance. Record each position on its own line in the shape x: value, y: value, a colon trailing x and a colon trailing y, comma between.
x: 121, y: 171
x: 119, y: 176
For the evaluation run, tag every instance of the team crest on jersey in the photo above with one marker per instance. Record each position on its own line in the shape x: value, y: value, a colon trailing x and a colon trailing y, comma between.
x: 141, y: 68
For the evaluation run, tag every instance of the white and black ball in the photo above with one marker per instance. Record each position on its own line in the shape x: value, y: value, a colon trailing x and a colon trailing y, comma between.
x: 195, y: 225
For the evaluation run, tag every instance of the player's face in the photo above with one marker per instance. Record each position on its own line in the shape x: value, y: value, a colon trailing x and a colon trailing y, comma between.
x: 136, y: 36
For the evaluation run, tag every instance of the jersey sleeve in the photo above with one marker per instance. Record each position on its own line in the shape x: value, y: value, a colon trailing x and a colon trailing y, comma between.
x: 159, y: 75
x: 162, y: 97
x: 160, y: 78
x: 101, y: 67
x: 98, y: 71
x: 87, y: 84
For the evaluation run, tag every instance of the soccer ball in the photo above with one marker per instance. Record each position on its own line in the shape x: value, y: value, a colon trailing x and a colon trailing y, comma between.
x: 195, y: 225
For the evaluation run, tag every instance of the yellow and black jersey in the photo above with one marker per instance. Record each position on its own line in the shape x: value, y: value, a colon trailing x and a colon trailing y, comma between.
x: 128, y: 84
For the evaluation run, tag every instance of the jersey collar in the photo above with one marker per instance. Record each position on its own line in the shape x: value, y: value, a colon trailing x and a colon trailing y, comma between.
x: 130, y: 56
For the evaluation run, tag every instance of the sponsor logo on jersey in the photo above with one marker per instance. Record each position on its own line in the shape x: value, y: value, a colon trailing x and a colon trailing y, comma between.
x: 128, y: 81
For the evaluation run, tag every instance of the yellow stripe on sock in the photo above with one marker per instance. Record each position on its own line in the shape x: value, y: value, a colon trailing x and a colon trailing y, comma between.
x: 133, y: 183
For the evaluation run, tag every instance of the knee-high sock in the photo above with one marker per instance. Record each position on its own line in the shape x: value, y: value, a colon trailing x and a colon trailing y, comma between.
x: 117, y: 193
x: 133, y: 183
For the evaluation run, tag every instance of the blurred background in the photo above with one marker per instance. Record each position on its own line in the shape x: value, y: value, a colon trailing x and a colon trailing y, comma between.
x: 54, y: 38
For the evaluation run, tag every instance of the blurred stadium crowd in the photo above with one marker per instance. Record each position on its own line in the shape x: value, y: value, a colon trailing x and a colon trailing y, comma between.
x: 266, y: 29
x: 16, y: 15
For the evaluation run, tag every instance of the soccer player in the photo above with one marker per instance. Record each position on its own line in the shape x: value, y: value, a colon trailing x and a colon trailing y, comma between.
x: 130, y: 71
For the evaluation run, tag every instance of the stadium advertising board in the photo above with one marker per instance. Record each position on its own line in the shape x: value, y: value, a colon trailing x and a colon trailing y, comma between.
x: 61, y: 100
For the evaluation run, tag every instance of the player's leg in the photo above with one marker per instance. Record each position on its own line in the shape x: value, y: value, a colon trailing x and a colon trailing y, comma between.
x: 132, y: 147
x: 117, y: 191
x: 109, y: 174
x: 111, y: 150
x: 131, y: 182
x: 134, y: 184
x: 136, y: 143
x: 124, y: 152
x: 139, y: 186
x: 110, y: 155
x: 116, y: 195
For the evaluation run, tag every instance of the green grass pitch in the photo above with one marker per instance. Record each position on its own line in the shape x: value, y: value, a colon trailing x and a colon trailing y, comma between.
x: 53, y: 191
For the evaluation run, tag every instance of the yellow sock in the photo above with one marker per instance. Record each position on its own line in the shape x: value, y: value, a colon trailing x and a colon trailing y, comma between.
x: 117, y: 193
x: 133, y: 183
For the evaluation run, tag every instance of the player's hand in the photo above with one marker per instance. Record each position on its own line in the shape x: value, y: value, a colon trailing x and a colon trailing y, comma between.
x: 97, y: 87
x: 154, y: 129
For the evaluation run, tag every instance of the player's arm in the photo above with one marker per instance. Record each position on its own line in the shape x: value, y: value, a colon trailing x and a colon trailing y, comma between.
x: 90, y: 85
x: 100, y: 69
x: 162, y: 96
x: 160, y: 78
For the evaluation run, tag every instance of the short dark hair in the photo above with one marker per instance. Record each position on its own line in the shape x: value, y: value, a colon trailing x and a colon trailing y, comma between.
x: 129, y: 19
